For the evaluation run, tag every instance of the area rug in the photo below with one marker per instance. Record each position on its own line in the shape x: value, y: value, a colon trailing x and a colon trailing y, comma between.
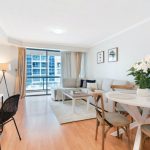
x: 64, y: 114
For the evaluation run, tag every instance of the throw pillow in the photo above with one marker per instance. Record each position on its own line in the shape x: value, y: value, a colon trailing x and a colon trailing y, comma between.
x: 83, y: 82
x: 91, y: 81
x: 92, y: 86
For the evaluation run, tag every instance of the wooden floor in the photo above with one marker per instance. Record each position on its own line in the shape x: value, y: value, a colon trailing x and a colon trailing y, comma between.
x: 40, y: 130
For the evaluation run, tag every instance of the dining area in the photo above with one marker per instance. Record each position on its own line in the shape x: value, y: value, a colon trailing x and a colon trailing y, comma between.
x: 130, y: 111
x: 129, y: 101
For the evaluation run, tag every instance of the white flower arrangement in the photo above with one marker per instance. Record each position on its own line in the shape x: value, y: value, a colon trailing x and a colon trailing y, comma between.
x: 141, y: 72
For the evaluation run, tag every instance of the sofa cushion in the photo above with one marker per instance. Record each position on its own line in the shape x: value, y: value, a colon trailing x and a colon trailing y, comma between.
x: 99, y: 83
x: 81, y: 82
x: 91, y: 81
x: 69, y: 83
x: 106, y: 84
x: 84, y: 82
x: 78, y: 83
x: 92, y: 86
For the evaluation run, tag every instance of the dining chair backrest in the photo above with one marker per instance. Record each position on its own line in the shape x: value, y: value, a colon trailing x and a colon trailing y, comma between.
x: 109, y: 119
x: 126, y: 87
x: 9, y: 108
x: 101, y: 112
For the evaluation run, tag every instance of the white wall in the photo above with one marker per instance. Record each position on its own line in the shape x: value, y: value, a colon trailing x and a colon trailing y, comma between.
x: 8, y: 54
x: 133, y: 45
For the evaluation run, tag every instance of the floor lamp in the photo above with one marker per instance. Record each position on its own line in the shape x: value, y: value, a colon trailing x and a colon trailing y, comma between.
x: 4, y: 67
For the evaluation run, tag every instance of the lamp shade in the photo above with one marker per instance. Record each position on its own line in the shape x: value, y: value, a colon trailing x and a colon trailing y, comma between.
x: 5, y: 67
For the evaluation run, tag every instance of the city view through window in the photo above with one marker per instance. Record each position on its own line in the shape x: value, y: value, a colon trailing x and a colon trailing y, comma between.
x: 43, y: 71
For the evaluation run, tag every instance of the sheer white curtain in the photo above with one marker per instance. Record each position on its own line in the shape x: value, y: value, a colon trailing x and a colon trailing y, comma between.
x: 83, y: 65
x: 66, y: 64
x: 78, y: 64
x: 73, y: 64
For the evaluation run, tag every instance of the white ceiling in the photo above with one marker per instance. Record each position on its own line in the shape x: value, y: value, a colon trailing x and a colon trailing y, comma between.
x: 85, y: 22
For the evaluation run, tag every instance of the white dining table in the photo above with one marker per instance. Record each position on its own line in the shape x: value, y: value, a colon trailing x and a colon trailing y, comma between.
x: 131, y: 103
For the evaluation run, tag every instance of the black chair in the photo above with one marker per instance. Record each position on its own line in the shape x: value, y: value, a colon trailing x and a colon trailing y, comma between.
x: 8, y: 110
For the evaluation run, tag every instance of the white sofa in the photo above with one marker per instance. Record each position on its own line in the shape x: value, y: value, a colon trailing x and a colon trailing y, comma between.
x: 103, y: 86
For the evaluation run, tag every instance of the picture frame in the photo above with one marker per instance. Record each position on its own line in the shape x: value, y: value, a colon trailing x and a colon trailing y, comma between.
x: 113, y: 54
x: 100, y: 57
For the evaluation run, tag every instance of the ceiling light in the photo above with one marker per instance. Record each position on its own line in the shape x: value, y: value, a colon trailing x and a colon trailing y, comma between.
x: 58, y: 31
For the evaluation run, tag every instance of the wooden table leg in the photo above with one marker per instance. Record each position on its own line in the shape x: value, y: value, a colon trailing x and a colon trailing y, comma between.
x: 137, y: 141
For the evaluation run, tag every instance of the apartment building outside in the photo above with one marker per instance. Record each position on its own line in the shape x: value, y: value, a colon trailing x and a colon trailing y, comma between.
x: 43, y: 70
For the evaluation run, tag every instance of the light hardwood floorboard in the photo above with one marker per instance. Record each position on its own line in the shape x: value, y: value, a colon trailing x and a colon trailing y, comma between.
x: 40, y: 130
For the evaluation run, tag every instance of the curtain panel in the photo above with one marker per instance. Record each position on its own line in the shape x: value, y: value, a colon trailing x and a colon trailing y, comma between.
x: 66, y: 64
x: 73, y: 64
x: 21, y: 73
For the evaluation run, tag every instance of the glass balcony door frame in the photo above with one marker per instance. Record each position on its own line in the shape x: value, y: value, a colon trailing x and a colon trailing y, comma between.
x: 47, y: 75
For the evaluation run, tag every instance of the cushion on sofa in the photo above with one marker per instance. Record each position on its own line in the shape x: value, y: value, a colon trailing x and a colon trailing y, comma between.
x: 99, y: 83
x: 78, y: 83
x: 69, y: 83
x: 92, y: 86
x: 84, y: 82
x: 81, y: 82
x: 106, y: 84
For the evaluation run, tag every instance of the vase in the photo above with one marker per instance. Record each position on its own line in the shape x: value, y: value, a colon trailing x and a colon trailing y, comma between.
x: 143, y: 92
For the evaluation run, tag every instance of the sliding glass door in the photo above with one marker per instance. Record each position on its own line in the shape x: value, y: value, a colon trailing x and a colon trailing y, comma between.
x: 43, y: 71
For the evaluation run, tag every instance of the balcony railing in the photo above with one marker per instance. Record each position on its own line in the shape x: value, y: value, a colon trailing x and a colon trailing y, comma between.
x: 37, y: 85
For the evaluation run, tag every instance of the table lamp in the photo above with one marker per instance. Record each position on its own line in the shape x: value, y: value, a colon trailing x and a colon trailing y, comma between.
x: 5, y: 67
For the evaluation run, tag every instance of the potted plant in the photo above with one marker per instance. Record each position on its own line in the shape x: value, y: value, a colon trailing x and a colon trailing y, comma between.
x: 141, y: 72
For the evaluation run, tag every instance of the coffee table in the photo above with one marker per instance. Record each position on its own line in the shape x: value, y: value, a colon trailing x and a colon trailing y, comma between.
x: 75, y: 95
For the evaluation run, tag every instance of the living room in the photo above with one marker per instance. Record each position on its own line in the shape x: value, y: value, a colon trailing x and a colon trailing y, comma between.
x: 93, y: 29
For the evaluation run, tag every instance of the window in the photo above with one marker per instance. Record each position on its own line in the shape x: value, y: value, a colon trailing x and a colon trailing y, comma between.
x: 43, y: 64
x: 58, y: 64
x: 51, y: 58
x: 51, y: 73
x: 58, y: 71
x: 43, y: 58
x: 43, y: 71
x: 36, y: 64
x: 28, y: 81
x: 51, y: 79
x: 36, y: 79
x: 29, y: 72
x: 36, y: 71
x: 28, y: 59
x: 36, y: 57
x: 42, y: 67
x: 29, y: 66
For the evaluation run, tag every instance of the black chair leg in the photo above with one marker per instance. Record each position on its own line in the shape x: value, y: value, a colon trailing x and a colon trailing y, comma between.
x: 1, y: 128
x: 16, y: 128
